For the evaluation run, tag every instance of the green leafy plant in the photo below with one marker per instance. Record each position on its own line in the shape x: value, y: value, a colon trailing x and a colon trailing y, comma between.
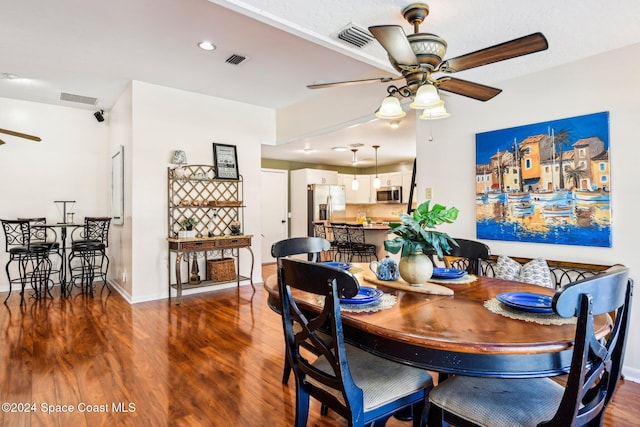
x: 415, y: 232
x: 188, y: 223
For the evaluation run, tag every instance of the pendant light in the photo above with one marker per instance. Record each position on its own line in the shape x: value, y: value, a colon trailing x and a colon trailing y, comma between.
x: 355, y: 184
x: 376, y: 180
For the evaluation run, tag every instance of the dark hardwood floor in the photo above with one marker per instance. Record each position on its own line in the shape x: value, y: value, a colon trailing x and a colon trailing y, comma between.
x: 216, y: 360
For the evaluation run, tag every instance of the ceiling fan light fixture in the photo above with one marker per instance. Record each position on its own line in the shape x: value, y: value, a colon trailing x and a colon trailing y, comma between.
x: 390, y: 109
x: 434, y: 113
x: 426, y: 97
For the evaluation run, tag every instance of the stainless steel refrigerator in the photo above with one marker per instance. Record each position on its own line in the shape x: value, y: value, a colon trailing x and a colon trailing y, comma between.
x: 323, y: 202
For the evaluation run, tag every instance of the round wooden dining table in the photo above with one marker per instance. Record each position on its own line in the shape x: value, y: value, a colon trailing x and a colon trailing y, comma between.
x: 457, y: 334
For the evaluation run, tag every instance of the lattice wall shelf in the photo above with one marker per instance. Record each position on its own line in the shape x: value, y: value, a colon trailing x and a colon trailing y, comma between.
x: 214, y: 204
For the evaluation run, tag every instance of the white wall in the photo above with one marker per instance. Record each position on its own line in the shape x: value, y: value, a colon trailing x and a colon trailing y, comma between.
x: 447, y: 163
x: 70, y: 163
x: 164, y: 120
x: 120, y: 250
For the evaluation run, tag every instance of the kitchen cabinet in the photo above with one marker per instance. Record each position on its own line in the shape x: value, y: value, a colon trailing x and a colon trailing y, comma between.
x: 317, y: 176
x: 392, y: 179
x: 363, y: 194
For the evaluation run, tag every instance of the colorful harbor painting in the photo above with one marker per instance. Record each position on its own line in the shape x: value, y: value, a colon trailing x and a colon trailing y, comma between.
x: 547, y: 182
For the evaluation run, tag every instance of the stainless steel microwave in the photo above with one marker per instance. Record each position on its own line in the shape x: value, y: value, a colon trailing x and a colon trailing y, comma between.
x: 389, y: 195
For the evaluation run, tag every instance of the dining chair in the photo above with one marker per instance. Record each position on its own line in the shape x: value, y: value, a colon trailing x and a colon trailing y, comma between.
x: 468, y: 256
x: 88, y: 258
x: 313, y: 246
x: 359, y: 247
x: 590, y: 384
x: 32, y: 259
x: 361, y: 387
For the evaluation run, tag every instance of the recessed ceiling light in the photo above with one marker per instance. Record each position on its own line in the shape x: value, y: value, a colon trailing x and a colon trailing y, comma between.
x: 339, y: 148
x: 206, y: 46
x: 308, y: 150
x: 9, y: 76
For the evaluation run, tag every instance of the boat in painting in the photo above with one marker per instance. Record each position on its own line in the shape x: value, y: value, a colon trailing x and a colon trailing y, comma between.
x: 518, y: 196
x: 496, y: 196
x: 551, y: 195
x: 481, y: 197
x: 591, y: 196
x: 522, y: 209
x: 557, y: 210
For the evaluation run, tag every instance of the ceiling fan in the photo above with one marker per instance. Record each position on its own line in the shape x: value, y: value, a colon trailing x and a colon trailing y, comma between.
x: 419, y: 55
x: 19, y: 135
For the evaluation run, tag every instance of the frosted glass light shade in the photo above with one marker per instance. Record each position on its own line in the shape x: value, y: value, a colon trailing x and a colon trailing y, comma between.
x: 376, y: 182
x: 390, y: 109
x: 355, y: 184
x: 426, y: 97
x: 434, y: 113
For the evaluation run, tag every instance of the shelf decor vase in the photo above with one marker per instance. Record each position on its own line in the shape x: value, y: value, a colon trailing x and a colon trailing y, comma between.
x: 415, y: 268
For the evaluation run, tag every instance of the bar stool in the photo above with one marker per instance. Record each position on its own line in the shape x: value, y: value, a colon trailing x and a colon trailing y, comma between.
x: 88, y: 259
x: 341, y: 241
x: 34, y: 266
x: 359, y: 248
x: 46, y: 236
x: 320, y: 230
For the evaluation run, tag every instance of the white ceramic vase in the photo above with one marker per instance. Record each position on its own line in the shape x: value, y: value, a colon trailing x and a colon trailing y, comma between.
x: 416, y: 268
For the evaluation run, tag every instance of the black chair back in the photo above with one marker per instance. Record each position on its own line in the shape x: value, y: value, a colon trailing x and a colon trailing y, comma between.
x: 94, y: 230
x: 17, y: 234
x: 42, y: 235
x: 319, y: 230
x: 298, y: 246
x: 597, y: 361
x: 468, y: 255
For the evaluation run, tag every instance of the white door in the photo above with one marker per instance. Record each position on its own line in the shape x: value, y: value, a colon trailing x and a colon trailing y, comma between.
x: 274, y: 195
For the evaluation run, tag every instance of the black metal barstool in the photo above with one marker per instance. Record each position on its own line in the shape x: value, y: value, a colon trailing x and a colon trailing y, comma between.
x: 33, y: 263
x: 42, y: 235
x: 88, y: 259
x: 341, y: 241
x: 359, y: 247
x: 320, y: 230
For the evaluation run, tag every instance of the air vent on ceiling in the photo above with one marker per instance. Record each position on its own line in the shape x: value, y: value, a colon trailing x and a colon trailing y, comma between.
x: 78, y: 98
x: 355, y: 35
x: 235, y: 59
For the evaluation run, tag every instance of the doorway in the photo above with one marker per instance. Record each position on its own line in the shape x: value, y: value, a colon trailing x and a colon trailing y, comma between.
x: 274, y: 196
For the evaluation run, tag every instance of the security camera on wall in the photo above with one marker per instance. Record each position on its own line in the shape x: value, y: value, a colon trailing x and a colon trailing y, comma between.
x: 99, y: 115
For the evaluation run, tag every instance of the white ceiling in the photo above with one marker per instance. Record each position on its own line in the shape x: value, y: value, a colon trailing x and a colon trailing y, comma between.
x: 94, y: 48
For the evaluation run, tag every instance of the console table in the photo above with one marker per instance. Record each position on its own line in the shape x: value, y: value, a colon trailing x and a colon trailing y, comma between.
x: 189, y: 248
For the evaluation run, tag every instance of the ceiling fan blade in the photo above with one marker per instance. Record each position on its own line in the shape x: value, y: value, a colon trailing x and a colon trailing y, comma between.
x: 523, y: 46
x: 20, y: 135
x: 354, y: 82
x: 465, y: 88
x: 394, y: 40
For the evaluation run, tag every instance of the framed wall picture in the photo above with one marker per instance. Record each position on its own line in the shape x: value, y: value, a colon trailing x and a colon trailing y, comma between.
x: 547, y: 182
x: 225, y: 160
x: 117, y: 187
